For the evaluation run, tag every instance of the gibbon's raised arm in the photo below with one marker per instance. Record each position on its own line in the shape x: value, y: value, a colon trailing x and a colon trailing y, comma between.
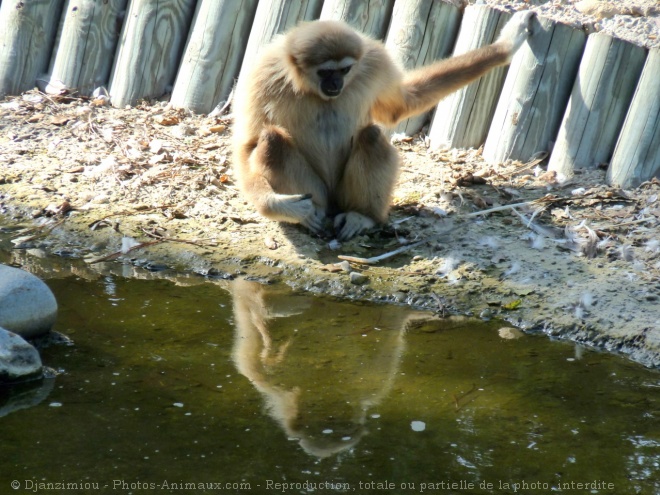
x: 423, y: 88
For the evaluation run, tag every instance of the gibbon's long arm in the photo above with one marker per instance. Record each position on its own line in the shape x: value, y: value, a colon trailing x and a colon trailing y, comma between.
x: 423, y: 88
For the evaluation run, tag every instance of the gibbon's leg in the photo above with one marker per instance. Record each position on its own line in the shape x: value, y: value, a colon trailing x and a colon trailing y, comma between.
x: 281, y: 184
x: 365, y: 190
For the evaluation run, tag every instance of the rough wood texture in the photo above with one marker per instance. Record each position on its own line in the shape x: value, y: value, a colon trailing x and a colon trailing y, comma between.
x: 421, y: 32
x: 535, y: 93
x: 27, y: 30
x: 86, y: 43
x: 150, y: 47
x: 371, y: 17
x: 275, y: 17
x: 601, y: 96
x: 637, y: 154
x: 463, y: 118
x: 213, y: 54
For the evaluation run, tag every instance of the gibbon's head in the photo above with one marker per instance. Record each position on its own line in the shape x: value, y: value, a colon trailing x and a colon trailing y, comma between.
x: 323, y: 55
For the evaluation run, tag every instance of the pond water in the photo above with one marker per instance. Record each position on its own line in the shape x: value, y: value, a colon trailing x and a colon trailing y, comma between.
x: 239, y: 387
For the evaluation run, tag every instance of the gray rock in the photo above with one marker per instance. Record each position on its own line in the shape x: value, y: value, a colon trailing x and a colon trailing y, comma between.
x: 26, y: 395
x: 27, y: 305
x: 358, y: 279
x: 18, y: 359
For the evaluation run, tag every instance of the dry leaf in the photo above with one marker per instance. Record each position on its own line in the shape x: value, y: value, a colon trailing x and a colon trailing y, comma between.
x: 101, y: 101
x: 550, y: 176
x: 60, y: 119
x: 167, y: 119
x: 512, y: 305
x: 332, y: 268
x: 480, y: 202
x: 53, y: 209
x: 35, y: 118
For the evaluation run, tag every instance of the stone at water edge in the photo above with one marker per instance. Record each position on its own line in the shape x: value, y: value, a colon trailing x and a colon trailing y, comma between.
x: 27, y: 305
x: 18, y: 359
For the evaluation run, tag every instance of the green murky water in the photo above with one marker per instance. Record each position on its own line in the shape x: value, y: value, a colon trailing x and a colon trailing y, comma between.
x: 187, y: 389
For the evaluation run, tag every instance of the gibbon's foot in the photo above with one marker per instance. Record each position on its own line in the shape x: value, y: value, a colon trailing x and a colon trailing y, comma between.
x: 298, y: 208
x: 517, y: 30
x: 348, y: 225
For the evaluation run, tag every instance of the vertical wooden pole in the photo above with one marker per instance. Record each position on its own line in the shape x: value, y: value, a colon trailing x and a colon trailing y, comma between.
x: 535, y: 93
x: 213, y: 54
x: 86, y: 43
x: 421, y: 32
x: 150, y: 48
x: 274, y: 17
x: 601, y: 96
x: 637, y: 154
x: 27, y: 30
x: 370, y: 17
x: 463, y: 118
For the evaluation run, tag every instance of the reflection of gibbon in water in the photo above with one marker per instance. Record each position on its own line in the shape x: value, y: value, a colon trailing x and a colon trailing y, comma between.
x: 321, y: 371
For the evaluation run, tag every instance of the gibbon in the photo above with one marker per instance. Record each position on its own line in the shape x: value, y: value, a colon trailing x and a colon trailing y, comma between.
x: 308, y: 145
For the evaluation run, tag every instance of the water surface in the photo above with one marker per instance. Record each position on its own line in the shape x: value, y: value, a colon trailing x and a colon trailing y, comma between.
x: 239, y: 383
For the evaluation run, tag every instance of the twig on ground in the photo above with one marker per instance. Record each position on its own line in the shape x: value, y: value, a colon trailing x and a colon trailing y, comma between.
x: 122, y: 251
x: 174, y: 239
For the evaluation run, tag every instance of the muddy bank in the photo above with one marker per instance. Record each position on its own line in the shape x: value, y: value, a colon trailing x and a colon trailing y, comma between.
x: 152, y: 187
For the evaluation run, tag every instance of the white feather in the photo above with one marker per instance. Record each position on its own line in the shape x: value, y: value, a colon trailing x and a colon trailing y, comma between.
x: 538, y: 242
x: 652, y: 245
x: 515, y: 268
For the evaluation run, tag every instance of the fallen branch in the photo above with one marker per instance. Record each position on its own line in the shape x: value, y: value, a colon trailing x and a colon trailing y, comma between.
x: 375, y: 259
x: 42, y: 231
x: 128, y: 213
x: 548, y: 198
x: 173, y: 239
x: 536, y: 159
x: 623, y: 224
x: 121, y: 251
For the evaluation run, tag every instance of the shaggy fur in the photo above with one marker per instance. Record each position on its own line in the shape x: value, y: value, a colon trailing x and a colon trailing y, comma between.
x: 302, y: 156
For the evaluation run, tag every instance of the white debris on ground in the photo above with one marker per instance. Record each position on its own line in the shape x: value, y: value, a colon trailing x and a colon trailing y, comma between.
x: 636, y: 21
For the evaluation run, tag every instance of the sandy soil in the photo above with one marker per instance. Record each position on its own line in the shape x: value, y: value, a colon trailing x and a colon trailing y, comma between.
x: 153, y: 187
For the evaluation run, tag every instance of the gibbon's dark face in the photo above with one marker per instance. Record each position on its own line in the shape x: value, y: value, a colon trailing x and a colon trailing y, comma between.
x: 332, y: 76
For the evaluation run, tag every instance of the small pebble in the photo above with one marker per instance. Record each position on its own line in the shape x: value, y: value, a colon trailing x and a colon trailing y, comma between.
x: 344, y: 265
x: 358, y: 278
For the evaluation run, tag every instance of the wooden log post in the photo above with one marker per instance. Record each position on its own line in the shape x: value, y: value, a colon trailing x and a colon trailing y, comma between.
x: 601, y: 96
x: 371, y: 17
x: 150, y: 47
x: 637, y: 154
x: 274, y: 17
x: 535, y: 93
x: 213, y: 54
x: 86, y: 43
x: 421, y: 32
x: 463, y: 118
x: 27, y: 30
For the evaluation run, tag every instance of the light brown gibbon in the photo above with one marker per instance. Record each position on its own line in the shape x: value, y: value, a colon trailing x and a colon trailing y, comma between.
x: 308, y: 145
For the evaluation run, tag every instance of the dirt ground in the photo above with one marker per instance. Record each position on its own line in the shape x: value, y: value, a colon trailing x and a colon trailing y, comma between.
x: 153, y: 187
